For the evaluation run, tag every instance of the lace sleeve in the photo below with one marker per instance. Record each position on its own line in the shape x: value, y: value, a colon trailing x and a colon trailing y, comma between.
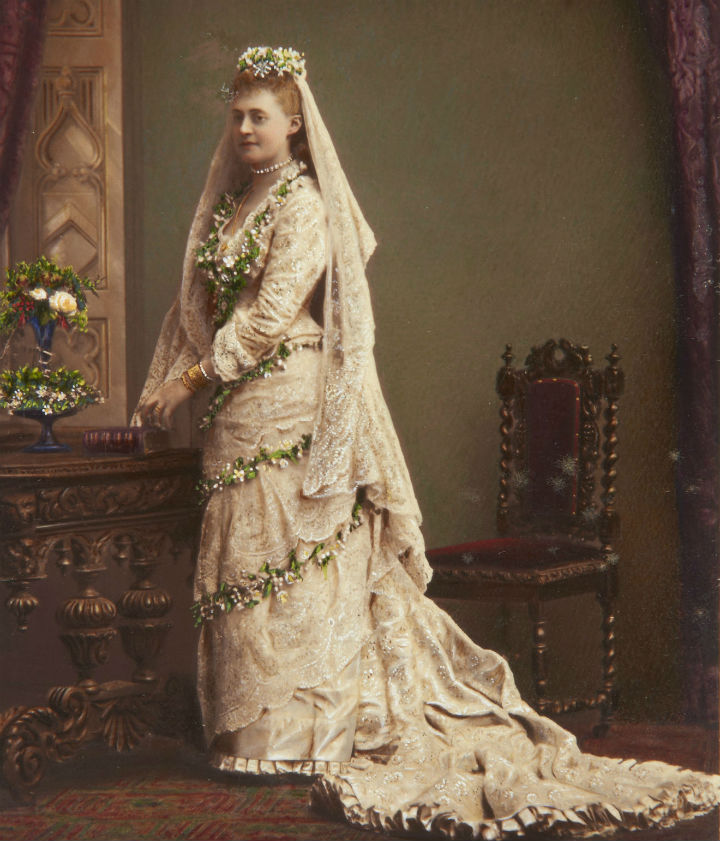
x: 295, y: 262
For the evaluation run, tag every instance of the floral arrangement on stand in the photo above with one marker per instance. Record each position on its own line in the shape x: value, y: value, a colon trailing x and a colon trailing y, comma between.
x: 45, y: 296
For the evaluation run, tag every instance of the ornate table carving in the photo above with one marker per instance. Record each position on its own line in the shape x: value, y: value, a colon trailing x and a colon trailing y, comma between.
x: 78, y: 514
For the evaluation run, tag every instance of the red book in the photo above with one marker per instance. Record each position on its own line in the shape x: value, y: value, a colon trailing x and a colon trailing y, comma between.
x: 120, y: 440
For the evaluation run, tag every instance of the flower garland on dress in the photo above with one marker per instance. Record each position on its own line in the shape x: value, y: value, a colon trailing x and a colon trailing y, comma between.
x: 226, y: 276
x: 252, y: 587
x: 241, y: 470
x: 264, y: 369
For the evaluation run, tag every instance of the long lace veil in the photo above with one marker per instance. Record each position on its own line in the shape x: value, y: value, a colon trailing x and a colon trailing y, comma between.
x: 354, y: 442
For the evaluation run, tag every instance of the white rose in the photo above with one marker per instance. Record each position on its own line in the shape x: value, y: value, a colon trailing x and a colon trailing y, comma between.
x: 38, y: 293
x: 63, y: 302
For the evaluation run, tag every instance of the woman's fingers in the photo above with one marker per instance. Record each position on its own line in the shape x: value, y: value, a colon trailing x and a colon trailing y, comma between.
x: 151, y: 413
x: 165, y: 416
x: 163, y: 412
x: 160, y: 406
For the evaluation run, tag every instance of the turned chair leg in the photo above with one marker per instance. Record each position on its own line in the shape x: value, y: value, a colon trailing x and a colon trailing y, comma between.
x: 609, y: 693
x: 539, y: 649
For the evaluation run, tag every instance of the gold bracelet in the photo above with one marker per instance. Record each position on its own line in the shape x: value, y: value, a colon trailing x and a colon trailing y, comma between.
x: 196, y: 377
x: 187, y: 382
x: 205, y: 373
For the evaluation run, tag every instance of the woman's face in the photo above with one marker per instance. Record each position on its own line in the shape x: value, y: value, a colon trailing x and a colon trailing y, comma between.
x: 261, y: 129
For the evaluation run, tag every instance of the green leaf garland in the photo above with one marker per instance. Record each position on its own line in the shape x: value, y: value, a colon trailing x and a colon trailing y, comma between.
x: 264, y: 369
x: 241, y: 470
x: 226, y: 276
x: 223, y: 391
x: 252, y: 588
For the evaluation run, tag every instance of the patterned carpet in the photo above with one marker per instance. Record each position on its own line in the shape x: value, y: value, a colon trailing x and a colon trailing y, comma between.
x: 157, y: 810
x: 164, y: 790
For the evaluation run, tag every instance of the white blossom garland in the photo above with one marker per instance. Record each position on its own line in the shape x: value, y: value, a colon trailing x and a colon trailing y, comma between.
x: 227, y: 275
x: 223, y: 391
x: 265, y: 60
x: 264, y: 369
x: 241, y: 470
x: 252, y: 587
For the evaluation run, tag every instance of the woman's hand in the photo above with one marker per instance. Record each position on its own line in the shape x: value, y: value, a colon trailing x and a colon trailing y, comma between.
x: 159, y: 407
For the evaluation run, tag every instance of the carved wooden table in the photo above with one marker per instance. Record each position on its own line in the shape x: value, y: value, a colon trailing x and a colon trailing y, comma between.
x: 74, y: 513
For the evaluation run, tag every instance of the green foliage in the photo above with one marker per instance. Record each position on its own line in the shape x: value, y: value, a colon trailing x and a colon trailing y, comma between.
x: 253, y: 587
x: 226, y: 276
x: 264, y: 369
x: 241, y: 470
x: 51, y: 392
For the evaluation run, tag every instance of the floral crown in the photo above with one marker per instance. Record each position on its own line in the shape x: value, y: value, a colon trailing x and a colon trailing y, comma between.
x: 266, y: 60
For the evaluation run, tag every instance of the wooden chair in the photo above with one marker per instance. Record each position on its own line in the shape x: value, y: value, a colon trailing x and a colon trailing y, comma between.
x: 556, y: 515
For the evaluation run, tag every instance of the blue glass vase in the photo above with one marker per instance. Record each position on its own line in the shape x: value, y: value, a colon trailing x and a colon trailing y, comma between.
x: 47, y: 442
x: 43, y: 336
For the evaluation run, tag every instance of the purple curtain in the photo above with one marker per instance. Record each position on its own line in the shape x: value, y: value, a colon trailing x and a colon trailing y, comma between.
x: 687, y: 33
x: 21, y: 44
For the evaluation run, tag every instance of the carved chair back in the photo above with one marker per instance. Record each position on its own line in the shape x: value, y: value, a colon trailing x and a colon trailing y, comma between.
x: 558, y: 444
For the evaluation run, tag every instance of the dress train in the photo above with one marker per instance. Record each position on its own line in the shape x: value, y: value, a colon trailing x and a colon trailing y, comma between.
x: 445, y: 745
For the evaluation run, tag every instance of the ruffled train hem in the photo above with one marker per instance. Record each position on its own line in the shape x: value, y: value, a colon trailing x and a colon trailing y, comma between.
x: 592, y: 819
x: 265, y: 767
x: 599, y: 819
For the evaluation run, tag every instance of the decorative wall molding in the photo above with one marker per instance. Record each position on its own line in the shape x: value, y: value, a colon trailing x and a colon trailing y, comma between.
x: 70, y: 192
x: 75, y: 18
x: 88, y: 351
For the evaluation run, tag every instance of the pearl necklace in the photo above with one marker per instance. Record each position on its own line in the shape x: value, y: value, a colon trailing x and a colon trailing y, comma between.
x: 272, y: 168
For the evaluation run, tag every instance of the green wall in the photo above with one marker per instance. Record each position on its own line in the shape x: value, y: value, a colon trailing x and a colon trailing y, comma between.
x: 512, y: 158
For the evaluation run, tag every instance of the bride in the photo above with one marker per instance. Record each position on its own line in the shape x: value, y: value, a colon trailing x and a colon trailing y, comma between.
x: 318, y: 652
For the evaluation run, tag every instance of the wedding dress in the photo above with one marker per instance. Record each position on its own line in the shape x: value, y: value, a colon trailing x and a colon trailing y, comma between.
x: 346, y: 670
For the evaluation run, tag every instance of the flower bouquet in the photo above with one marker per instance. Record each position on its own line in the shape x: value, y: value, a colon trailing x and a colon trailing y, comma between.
x: 45, y: 296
